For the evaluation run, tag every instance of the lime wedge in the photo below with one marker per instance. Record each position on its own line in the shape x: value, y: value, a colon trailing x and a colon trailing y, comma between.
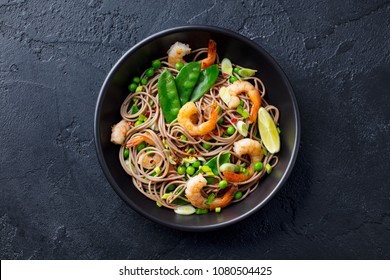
x: 268, y: 132
x: 242, y: 128
x: 226, y: 67
x: 246, y: 72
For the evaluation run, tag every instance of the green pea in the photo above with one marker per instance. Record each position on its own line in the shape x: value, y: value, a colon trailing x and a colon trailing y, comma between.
x: 206, y: 146
x: 141, y: 146
x: 132, y: 87
x: 190, y: 170
x: 258, y: 166
x: 223, y: 184
x: 126, y: 153
x: 231, y: 130
x: 156, y: 64
x: 181, y: 170
x: 137, y: 123
x: 237, y: 195
x: 183, y: 137
x: 150, y: 72
x: 179, y: 65
x: 136, y: 80
x: 236, y: 70
x: 233, y: 79
x: 220, y: 121
x: 196, y: 164
x: 144, y: 81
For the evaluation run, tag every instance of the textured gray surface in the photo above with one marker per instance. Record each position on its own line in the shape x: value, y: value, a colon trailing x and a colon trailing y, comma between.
x: 55, y: 202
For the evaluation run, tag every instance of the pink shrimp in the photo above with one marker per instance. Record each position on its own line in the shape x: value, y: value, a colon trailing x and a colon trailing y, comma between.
x: 118, y: 132
x: 195, y: 197
x: 249, y: 147
x: 186, y: 114
x: 239, y: 87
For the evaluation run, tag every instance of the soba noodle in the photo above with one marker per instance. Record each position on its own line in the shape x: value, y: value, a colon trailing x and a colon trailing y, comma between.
x: 171, y: 146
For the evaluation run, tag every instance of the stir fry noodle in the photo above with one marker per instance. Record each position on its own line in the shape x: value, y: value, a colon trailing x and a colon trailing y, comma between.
x: 197, y: 136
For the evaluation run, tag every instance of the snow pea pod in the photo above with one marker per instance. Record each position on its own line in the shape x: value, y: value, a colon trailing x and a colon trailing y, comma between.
x: 167, y: 96
x: 206, y: 80
x: 186, y: 81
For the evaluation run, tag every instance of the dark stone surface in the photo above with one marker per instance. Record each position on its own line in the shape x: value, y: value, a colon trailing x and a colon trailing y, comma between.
x: 55, y: 202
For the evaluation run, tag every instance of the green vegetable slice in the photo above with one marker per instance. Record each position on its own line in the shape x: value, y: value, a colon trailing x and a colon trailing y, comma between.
x: 185, y: 210
x: 242, y: 128
x: 210, y: 199
x: 226, y: 67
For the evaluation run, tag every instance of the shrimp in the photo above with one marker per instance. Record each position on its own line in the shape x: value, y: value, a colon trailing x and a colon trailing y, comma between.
x: 146, y: 137
x: 211, y: 54
x: 194, y: 195
x: 244, y: 87
x: 249, y: 147
x: 118, y: 132
x: 150, y: 159
x: 187, y: 113
x: 176, y: 53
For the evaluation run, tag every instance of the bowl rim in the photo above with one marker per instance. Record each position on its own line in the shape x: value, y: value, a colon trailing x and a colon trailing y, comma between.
x: 99, y: 149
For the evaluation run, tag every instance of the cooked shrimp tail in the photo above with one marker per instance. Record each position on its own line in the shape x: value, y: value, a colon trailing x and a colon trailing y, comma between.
x: 225, y: 199
x: 194, y: 195
x: 211, y: 54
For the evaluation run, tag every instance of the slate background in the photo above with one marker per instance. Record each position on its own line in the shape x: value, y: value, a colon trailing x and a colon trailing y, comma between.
x: 55, y: 202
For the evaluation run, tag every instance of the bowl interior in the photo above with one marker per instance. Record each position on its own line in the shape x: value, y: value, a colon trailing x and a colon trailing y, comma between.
x: 239, y: 50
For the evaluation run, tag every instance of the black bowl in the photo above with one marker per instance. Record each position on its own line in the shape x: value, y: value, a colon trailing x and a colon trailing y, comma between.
x: 238, y: 49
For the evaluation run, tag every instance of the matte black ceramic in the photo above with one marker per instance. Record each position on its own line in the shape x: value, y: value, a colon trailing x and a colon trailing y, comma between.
x: 239, y: 50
